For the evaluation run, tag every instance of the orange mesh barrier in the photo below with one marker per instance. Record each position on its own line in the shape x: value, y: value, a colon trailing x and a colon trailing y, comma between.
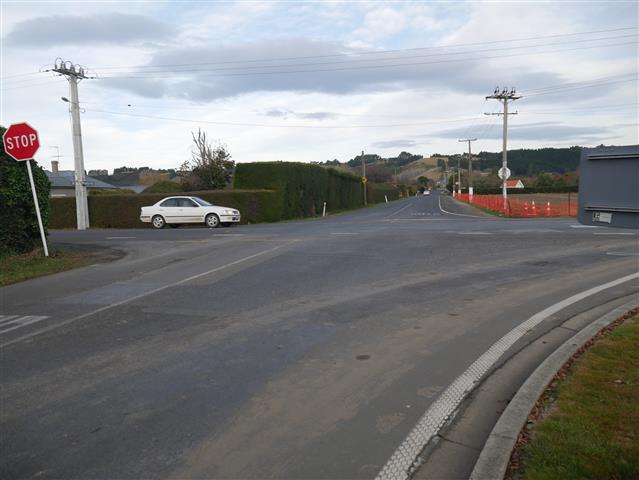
x: 523, y: 208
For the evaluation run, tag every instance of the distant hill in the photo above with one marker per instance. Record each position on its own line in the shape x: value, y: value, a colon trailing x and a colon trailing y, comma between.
x: 532, y: 162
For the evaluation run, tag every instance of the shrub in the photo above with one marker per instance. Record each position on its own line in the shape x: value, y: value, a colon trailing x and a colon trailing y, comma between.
x: 123, y: 211
x: 19, y: 231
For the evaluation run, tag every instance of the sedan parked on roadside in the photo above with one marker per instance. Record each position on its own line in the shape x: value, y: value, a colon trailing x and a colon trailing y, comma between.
x: 175, y: 211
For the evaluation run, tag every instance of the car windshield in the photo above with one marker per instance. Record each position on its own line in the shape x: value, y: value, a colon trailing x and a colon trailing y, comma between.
x: 204, y: 203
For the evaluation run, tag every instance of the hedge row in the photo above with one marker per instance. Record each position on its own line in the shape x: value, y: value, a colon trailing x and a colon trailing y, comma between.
x: 303, y: 188
x: 123, y: 211
x: 19, y: 231
x: 375, y: 192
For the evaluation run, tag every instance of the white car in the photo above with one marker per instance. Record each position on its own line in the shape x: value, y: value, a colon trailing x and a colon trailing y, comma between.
x: 175, y: 211
x: 426, y: 192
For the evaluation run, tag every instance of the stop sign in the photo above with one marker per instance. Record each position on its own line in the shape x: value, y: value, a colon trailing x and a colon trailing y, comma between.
x: 21, y: 141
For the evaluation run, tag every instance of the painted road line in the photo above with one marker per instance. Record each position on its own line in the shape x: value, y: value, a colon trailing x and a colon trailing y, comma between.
x: 344, y: 233
x: 12, y: 323
x: 439, y: 199
x: 623, y: 254
x: 400, y: 210
x: 119, y: 238
x: 474, y: 233
x: 614, y: 233
x: 405, y: 459
x: 144, y: 294
x: 585, y: 226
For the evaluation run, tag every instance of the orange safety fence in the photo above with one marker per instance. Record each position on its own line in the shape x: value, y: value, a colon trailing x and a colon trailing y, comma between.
x: 522, y: 208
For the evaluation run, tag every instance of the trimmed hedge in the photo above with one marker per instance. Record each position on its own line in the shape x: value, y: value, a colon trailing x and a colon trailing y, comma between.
x: 375, y: 192
x: 165, y: 186
x: 123, y: 211
x: 303, y: 187
x: 19, y: 231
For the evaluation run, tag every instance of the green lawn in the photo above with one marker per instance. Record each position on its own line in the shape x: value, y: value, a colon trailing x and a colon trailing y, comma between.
x: 17, y: 268
x: 592, y: 429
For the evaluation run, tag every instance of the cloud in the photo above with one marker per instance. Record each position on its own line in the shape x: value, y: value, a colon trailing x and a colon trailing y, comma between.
x: 108, y: 28
x: 205, y: 73
x: 401, y: 143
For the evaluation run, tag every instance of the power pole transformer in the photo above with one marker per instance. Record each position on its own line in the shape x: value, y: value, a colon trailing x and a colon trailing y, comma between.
x: 504, y: 96
x: 74, y: 74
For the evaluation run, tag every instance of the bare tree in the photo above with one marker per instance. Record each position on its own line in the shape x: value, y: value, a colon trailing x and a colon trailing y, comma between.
x: 210, y: 167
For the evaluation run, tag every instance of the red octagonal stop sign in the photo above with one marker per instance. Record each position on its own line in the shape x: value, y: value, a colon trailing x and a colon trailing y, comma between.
x: 21, y: 141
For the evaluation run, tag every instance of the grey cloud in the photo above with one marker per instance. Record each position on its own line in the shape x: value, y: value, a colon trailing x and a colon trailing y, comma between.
x: 316, y: 115
x: 224, y: 77
x: 538, y: 131
x: 274, y: 112
x: 116, y: 28
x: 402, y: 143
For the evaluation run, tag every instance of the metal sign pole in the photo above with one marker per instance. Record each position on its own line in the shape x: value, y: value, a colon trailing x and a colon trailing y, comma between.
x: 37, y: 205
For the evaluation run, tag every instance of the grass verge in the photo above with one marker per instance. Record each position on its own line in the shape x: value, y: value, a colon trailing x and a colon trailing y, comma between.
x: 17, y: 268
x: 589, y: 424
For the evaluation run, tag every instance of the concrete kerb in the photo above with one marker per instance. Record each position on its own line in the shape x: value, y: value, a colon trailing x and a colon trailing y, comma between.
x: 495, y: 456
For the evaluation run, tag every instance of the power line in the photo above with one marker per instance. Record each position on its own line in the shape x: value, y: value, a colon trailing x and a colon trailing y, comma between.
x: 375, y: 52
x: 341, y: 62
x: 244, y: 124
x: 567, y: 84
x: 365, y: 67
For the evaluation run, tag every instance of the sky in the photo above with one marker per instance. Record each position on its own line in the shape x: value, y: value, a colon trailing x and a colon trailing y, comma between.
x: 315, y: 81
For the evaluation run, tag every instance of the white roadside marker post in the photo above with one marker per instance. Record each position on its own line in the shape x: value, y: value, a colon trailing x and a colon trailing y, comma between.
x: 37, y: 205
x: 324, y: 210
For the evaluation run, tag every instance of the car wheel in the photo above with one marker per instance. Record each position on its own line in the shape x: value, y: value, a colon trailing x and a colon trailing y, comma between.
x: 212, y: 220
x: 158, y: 221
x: 174, y: 225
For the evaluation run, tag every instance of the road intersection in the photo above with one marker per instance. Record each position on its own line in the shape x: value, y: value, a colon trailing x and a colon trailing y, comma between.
x: 304, y: 349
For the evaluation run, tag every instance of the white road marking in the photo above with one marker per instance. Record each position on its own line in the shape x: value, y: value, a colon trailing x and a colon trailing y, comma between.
x: 17, y: 321
x: 403, y: 462
x: 344, y: 233
x: 475, y: 233
x: 145, y: 294
x: 231, y: 234
x: 119, y: 238
x: 458, y: 214
x: 623, y: 254
x: 614, y: 233
x: 585, y: 226
x: 400, y: 210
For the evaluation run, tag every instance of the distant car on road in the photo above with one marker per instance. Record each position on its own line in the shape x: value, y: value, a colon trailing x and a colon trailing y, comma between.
x: 176, y: 211
x: 426, y: 192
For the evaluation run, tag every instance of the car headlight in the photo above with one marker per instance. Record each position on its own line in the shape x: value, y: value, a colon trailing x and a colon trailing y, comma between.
x: 229, y: 212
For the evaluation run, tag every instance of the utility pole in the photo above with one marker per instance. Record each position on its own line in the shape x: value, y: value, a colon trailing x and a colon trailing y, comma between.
x: 504, y: 97
x: 364, y: 176
x: 458, y: 175
x: 470, y: 166
x: 74, y: 74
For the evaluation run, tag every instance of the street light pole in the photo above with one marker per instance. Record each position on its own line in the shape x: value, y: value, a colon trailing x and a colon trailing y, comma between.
x: 74, y: 73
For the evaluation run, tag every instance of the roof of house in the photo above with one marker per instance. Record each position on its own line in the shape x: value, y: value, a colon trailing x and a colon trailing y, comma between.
x: 66, y: 178
x: 513, y: 182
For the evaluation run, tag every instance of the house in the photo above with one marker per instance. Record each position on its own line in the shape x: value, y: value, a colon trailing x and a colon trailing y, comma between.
x: 63, y: 182
x: 514, y: 183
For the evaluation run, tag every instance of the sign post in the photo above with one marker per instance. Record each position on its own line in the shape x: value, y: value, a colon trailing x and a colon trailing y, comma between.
x: 21, y: 143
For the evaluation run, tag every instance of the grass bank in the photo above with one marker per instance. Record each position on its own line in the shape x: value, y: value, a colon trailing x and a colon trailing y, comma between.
x: 17, y: 268
x: 589, y: 427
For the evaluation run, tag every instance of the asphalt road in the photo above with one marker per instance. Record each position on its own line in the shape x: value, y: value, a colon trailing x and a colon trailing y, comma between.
x: 304, y: 349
